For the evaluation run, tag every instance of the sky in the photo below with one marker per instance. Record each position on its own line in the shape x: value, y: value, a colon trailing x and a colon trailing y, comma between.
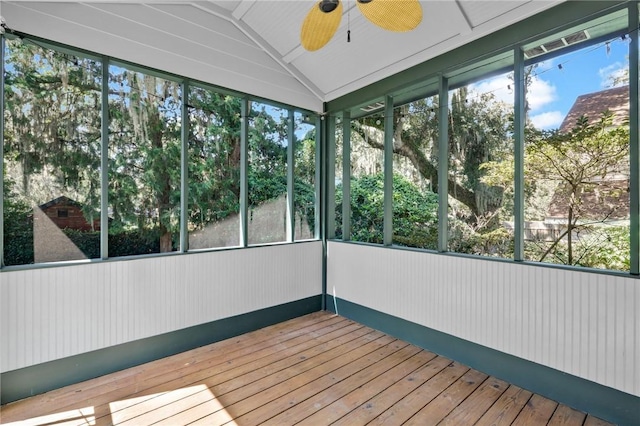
x: 558, y: 82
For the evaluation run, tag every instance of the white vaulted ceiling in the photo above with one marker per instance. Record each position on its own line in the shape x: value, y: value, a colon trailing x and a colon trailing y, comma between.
x: 253, y: 46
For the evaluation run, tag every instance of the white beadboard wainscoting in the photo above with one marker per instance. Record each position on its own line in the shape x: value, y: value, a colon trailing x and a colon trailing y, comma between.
x: 585, y: 324
x: 55, y: 312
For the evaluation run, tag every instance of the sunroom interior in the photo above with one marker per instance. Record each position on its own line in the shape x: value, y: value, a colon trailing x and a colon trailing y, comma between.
x: 174, y: 175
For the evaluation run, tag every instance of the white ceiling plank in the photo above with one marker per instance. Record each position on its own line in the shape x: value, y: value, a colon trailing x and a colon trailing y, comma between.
x: 279, y: 87
x: 480, y: 11
x: 208, y: 40
x: 242, y: 8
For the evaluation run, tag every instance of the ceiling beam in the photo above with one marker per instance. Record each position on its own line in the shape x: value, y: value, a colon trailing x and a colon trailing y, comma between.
x: 467, y: 21
x: 242, y: 9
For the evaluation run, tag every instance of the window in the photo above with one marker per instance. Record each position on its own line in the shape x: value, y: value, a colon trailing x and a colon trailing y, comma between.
x: 415, y: 168
x: 214, y: 169
x: 481, y: 165
x: 51, y: 154
x: 336, y: 126
x: 367, y: 179
x: 577, y: 151
x: 144, y: 163
x: 52, y: 160
x: 304, y: 176
x: 267, y: 174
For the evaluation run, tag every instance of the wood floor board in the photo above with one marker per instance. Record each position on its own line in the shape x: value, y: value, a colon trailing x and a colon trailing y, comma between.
x: 358, y: 396
x: 506, y: 408
x: 476, y: 404
x: 340, y: 389
x: 375, y: 406
x: 404, y: 409
x: 448, y: 400
x: 538, y: 410
x: 567, y: 416
x: 318, y: 369
x: 302, y: 386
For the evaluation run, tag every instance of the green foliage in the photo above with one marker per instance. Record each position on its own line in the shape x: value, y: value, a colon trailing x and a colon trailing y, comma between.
x: 414, y: 212
x: 602, y: 247
x: 495, y: 241
x: 214, y: 157
x: 18, y: 229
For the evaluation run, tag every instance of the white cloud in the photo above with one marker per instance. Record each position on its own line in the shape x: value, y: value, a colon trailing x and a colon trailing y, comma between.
x: 547, y: 120
x: 540, y: 93
x: 501, y: 87
x: 611, y: 73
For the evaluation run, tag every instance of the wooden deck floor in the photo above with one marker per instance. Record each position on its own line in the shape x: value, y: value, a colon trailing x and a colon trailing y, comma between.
x: 319, y: 369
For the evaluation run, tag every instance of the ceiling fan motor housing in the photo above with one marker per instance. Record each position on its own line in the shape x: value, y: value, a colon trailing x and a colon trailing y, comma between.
x: 328, y: 6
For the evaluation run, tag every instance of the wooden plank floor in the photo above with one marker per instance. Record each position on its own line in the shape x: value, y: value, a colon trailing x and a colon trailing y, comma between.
x: 319, y: 369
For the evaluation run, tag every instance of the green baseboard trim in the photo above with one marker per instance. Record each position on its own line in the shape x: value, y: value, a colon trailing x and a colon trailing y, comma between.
x: 40, y: 378
x: 598, y: 400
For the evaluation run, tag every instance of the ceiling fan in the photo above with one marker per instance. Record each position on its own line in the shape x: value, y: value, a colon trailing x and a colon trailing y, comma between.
x: 324, y: 18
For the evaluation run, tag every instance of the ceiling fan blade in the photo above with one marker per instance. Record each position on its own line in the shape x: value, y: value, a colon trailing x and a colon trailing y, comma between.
x: 392, y: 15
x: 319, y: 27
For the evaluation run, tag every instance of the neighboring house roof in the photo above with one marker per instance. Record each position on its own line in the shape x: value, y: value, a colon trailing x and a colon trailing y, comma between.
x: 592, y: 105
x: 606, y: 200
x: 65, y: 201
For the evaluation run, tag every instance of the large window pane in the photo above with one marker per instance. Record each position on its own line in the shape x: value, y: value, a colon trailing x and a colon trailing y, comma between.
x: 214, y: 169
x: 481, y: 167
x: 267, y: 174
x: 367, y: 179
x: 577, y: 156
x: 415, y: 166
x: 337, y: 167
x: 144, y: 163
x: 304, y: 177
x: 51, y: 155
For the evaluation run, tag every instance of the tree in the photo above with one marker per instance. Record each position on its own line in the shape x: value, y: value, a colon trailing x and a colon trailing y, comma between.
x: 144, y: 155
x: 414, y: 212
x: 214, y: 157
x: 478, y: 131
x: 580, y: 162
x: 52, y: 124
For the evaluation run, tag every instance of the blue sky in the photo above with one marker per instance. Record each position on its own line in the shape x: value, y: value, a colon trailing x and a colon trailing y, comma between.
x: 559, y: 81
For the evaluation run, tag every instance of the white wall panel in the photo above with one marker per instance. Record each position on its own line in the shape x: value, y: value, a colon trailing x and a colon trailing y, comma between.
x: 585, y: 324
x: 51, y: 313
